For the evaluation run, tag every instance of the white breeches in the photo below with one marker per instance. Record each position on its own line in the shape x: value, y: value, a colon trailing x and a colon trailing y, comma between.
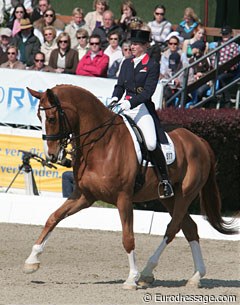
x: 144, y: 121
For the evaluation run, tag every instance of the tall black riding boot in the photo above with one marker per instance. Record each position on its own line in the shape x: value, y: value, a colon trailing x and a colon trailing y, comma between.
x: 158, y: 160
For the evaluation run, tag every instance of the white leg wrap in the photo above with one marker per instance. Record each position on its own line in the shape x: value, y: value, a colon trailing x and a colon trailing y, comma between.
x: 197, y: 257
x: 153, y: 260
x: 36, y: 251
x: 131, y: 282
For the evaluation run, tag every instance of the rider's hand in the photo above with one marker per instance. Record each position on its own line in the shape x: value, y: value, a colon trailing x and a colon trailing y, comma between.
x: 114, y: 99
x: 125, y: 105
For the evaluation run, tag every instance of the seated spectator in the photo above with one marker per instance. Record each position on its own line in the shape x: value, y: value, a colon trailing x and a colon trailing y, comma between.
x: 114, y: 70
x: 26, y: 42
x: 19, y: 13
x: 50, y: 43
x: 83, y: 45
x: 160, y: 26
x: 13, y: 62
x: 28, y: 4
x: 95, y: 19
x: 199, y: 70
x: 39, y: 10
x: 113, y: 51
x: 191, y: 46
x: 226, y: 53
x: 107, y: 27
x: 5, y: 40
x: 67, y: 184
x: 64, y: 59
x: 173, y: 60
x: 49, y: 18
x: 189, y: 23
x: 39, y: 65
x: 127, y: 12
x: 95, y: 62
x: 77, y: 23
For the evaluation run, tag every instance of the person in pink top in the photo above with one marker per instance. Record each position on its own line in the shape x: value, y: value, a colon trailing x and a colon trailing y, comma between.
x: 94, y: 62
x: 19, y: 13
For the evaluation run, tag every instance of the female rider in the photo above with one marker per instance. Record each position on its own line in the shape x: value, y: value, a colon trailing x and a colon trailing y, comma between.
x: 138, y: 78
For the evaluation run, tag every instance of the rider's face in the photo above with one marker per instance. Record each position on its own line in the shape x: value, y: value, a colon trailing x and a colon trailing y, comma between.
x: 138, y: 48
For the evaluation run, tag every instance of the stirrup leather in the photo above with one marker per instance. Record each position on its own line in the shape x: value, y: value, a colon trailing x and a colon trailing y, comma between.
x: 165, y: 189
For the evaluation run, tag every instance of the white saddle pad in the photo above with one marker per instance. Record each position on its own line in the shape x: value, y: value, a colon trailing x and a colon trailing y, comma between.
x: 168, y: 149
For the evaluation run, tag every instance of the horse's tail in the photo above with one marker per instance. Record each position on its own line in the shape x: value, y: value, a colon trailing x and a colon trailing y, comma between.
x: 211, y: 202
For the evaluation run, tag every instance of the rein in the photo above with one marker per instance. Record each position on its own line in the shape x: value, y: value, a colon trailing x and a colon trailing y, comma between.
x: 65, y: 134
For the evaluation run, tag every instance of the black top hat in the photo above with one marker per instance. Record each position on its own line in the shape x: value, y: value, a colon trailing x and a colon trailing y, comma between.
x: 225, y: 30
x: 140, y: 36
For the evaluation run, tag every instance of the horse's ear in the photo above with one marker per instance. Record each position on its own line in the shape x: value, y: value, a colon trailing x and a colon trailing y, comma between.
x: 50, y: 96
x: 35, y: 93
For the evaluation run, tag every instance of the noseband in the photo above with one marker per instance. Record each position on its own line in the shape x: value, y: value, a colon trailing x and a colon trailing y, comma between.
x: 65, y: 131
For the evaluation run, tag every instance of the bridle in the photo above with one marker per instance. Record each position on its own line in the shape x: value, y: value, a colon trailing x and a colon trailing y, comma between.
x: 65, y: 134
x: 65, y: 129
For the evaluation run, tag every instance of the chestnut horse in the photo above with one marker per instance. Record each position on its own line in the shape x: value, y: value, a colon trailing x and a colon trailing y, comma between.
x: 105, y: 168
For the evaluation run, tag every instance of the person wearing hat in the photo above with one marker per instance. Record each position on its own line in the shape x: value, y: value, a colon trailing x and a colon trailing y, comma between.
x: 27, y: 43
x: 225, y: 54
x: 173, y: 59
x: 5, y: 40
x: 138, y: 79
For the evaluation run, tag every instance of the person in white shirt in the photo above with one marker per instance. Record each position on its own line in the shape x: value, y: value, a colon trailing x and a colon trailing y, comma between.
x: 113, y: 51
x: 83, y: 44
x: 114, y: 70
x: 160, y: 26
x: 77, y: 23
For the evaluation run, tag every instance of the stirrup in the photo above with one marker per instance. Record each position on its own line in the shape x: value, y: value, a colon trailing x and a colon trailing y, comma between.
x: 165, y: 189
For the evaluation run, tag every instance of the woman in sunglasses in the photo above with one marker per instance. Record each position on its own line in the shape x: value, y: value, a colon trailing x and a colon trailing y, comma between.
x: 83, y: 44
x: 64, y: 59
x: 50, y: 42
x: 19, y: 13
x: 49, y: 18
x: 173, y: 60
x: 160, y: 26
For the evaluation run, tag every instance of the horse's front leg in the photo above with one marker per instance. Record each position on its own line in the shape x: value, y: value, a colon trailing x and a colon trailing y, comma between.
x: 126, y: 214
x: 69, y: 207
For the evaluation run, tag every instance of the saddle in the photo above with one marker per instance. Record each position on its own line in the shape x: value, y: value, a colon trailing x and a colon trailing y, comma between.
x: 142, y: 152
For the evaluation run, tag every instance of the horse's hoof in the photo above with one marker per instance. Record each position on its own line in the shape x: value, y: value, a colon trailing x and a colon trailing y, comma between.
x: 193, y: 284
x: 194, y: 281
x: 30, y: 268
x: 128, y: 286
x: 146, y: 281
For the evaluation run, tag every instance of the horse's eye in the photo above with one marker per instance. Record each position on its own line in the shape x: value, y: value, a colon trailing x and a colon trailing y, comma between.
x: 51, y: 120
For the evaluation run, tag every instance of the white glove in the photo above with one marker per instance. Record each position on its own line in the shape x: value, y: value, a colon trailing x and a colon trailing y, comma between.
x: 125, y: 105
x: 114, y: 99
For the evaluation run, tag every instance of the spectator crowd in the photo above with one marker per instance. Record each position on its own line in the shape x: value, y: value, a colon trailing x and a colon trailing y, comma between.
x: 32, y: 37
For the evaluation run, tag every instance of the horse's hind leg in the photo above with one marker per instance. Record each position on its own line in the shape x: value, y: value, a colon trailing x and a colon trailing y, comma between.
x: 177, y: 210
x: 69, y: 207
x: 189, y: 229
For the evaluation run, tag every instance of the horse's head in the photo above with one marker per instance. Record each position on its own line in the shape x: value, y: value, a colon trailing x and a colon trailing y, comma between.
x: 56, y: 129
